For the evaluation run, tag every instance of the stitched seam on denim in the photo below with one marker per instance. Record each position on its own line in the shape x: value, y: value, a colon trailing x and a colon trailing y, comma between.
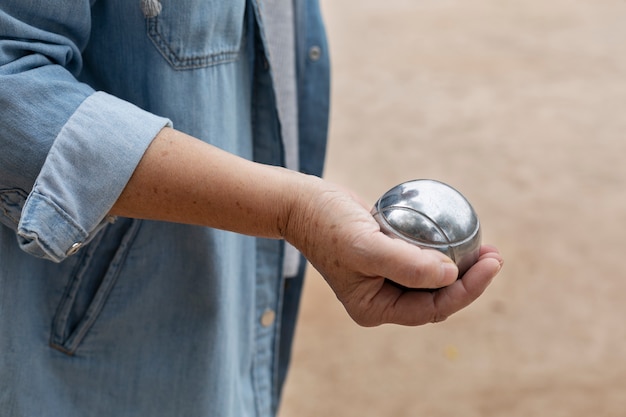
x: 29, y: 234
x: 9, y: 202
x: 110, y: 278
x: 178, y: 62
x: 72, y: 343
x: 59, y: 331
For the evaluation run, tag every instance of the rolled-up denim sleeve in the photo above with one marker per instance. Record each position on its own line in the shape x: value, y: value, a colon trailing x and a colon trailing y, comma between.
x: 66, y: 151
x: 88, y: 166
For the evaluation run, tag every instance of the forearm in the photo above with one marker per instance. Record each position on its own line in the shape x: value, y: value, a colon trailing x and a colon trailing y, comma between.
x: 182, y: 179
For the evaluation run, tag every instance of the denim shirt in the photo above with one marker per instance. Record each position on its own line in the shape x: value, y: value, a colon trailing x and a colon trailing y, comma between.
x: 103, y: 316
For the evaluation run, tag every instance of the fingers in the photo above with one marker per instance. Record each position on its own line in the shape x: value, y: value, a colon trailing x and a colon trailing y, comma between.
x: 413, y: 308
x: 463, y: 292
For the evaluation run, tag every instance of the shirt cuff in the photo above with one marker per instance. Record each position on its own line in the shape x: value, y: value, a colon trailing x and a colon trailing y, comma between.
x: 86, y: 170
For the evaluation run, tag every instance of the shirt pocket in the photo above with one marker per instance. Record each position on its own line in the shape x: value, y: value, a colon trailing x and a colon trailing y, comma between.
x: 195, y: 33
x: 88, y: 287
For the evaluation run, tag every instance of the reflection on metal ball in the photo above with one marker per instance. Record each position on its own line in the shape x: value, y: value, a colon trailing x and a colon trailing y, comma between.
x: 432, y: 215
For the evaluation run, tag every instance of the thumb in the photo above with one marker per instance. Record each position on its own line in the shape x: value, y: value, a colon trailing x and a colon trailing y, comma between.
x: 410, y: 265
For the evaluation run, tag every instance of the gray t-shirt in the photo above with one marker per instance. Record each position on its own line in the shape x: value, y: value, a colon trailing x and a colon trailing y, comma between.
x: 278, y: 16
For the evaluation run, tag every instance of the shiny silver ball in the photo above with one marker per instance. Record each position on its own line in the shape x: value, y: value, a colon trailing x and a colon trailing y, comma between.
x: 431, y: 215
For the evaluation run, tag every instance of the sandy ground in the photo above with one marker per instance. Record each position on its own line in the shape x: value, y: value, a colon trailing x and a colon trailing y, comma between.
x: 521, y: 105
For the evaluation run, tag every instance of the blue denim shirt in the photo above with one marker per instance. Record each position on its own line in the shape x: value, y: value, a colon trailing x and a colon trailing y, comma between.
x: 104, y: 316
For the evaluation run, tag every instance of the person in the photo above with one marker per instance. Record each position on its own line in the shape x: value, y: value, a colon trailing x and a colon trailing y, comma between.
x: 159, y: 162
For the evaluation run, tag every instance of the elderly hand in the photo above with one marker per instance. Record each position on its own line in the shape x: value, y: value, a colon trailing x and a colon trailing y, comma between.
x: 344, y: 243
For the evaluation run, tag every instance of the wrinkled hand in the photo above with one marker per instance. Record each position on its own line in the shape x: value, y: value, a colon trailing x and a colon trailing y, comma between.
x: 341, y: 239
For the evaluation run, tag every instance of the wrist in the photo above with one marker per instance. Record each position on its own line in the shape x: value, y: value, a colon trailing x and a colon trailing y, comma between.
x: 301, y: 193
x: 301, y: 220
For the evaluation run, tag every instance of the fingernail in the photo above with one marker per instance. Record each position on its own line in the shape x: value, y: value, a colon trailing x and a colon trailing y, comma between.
x: 440, y: 256
x: 450, y: 271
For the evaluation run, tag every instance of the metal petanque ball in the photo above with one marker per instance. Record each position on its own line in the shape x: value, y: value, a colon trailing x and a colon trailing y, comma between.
x: 431, y: 215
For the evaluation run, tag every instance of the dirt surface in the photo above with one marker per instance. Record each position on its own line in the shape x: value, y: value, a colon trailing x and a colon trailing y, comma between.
x: 521, y: 105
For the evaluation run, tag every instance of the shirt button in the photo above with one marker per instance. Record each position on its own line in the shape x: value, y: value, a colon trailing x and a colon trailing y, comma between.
x: 315, y: 53
x: 268, y: 317
x: 73, y: 249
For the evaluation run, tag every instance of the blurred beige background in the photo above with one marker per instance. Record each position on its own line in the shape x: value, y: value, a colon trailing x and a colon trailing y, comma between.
x: 521, y: 105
